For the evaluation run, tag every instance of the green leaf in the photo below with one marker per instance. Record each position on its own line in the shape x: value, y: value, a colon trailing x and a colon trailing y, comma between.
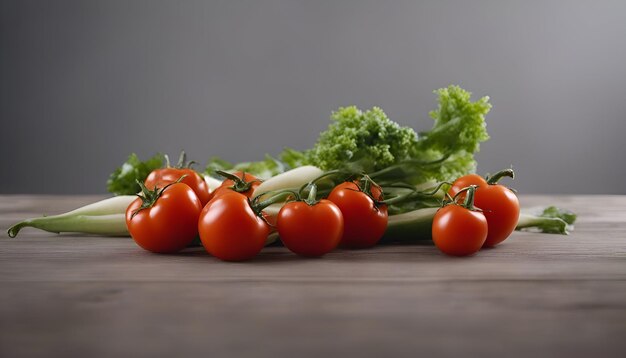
x: 456, y: 135
x: 549, y: 220
x: 563, y: 214
x: 123, y: 181
x: 293, y: 158
x: 369, y: 137
x: 215, y: 163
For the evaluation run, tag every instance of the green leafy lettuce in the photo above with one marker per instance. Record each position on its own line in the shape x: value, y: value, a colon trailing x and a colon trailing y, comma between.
x: 456, y: 135
x: 368, y: 141
x: 123, y: 181
x: 369, y: 137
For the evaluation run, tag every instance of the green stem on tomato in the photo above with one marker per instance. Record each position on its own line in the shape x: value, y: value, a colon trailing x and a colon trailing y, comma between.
x: 468, y: 202
x: 312, y: 197
x: 493, y: 179
x: 469, y: 198
x: 277, y: 197
x: 323, y: 176
x: 413, y: 194
x: 149, y: 197
x: 182, y: 161
x: 240, y: 185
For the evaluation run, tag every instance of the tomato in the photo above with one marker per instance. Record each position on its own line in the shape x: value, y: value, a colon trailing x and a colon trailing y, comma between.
x: 310, y: 230
x: 499, y: 204
x: 162, y: 177
x: 364, y: 221
x: 459, y: 231
x: 245, y: 185
x: 170, y: 224
x: 230, y: 229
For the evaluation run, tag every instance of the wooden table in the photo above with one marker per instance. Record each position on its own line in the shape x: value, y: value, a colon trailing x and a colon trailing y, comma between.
x: 535, y: 295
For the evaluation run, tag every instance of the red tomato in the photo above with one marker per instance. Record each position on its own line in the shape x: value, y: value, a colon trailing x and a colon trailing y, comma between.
x: 170, y: 224
x: 458, y: 231
x: 230, y: 230
x: 250, y: 182
x: 499, y: 204
x: 364, y: 221
x: 161, y: 177
x: 310, y: 230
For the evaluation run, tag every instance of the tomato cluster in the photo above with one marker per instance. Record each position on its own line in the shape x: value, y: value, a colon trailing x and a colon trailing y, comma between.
x: 232, y: 226
x: 463, y: 229
x: 177, y: 207
x: 353, y: 216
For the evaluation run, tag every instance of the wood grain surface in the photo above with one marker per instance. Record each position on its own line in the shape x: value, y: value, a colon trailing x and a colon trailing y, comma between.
x: 535, y: 295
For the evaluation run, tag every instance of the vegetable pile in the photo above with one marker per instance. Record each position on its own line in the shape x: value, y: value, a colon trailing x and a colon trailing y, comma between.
x: 365, y: 181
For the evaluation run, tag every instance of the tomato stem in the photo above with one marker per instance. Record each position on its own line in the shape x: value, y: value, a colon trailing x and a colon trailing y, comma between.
x: 469, y: 198
x: 401, y: 186
x: 412, y: 194
x: 240, y: 184
x: 149, y: 197
x: 325, y: 175
x: 367, y: 184
x: 366, y: 188
x: 436, y: 189
x: 278, y: 197
x: 468, y: 203
x: 182, y: 161
x: 493, y: 179
x: 312, y: 198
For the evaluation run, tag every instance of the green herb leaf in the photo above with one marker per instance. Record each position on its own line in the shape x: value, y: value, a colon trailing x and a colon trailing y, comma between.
x: 123, y: 181
x: 549, y: 220
x: 456, y: 135
x: 369, y: 138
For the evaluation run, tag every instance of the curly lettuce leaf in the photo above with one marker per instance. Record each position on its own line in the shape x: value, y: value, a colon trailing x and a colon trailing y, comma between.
x: 456, y: 135
x: 369, y: 138
x: 368, y: 141
x: 123, y: 181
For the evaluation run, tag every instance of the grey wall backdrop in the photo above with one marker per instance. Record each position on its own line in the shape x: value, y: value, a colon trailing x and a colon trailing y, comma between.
x: 84, y: 83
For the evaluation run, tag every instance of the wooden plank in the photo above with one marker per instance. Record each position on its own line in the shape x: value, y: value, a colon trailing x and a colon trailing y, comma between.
x: 540, y: 295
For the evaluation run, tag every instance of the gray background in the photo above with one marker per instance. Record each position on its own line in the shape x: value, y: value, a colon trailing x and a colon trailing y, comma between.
x: 84, y: 83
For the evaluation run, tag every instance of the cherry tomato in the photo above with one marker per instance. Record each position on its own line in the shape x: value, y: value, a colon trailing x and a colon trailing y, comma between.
x: 310, y: 230
x: 161, y: 177
x: 364, y: 221
x: 230, y: 230
x: 170, y: 224
x: 250, y: 182
x: 499, y: 204
x: 459, y: 231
